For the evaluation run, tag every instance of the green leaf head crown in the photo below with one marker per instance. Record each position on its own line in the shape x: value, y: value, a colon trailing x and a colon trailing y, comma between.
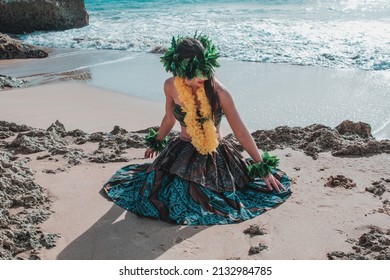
x: 190, y: 57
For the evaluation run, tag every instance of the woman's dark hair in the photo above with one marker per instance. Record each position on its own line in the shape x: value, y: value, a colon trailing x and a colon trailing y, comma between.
x: 189, y: 48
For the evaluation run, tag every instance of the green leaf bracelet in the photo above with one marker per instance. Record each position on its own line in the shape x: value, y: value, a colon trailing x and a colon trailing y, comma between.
x: 263, y: 168
x: 152, y: 142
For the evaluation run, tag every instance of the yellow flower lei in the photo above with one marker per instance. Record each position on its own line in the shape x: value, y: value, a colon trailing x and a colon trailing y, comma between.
x: 203, y: 136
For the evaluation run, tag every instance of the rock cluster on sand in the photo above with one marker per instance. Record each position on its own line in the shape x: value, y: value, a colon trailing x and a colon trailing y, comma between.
x: 11, y: 82
x: 57, y: 141
x: 24, y: 204
x: 11, y: 48
x: 340, y: 181
x: 348, y: 138
x: 379, y: 187
x: 257, y: 249
x: 254, y: 230
x: 372, y: 245
x: 22, y: 16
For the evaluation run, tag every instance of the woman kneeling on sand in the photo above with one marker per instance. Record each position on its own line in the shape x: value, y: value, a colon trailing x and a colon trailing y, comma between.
x: 199, y: 178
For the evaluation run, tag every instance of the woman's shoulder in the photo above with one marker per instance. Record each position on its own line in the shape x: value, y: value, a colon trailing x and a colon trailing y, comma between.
x: 169, y: 81
x: 169, y: 85
x: 220, y: 89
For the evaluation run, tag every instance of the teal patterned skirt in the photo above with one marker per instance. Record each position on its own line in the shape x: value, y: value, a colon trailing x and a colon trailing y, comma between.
x: 184, y: 187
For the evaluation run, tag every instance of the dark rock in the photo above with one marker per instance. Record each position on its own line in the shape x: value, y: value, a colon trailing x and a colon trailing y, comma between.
x: 43, y: 157
x: 361, y: 129
x: 385, y: 146
x: 30, y: 143
x: 337, y: 255
x: 97, y: 137
x: 377, y: 189
x: 7, y: 82
x: 353, y: 139
x: 372, y: 245
x: 156, y: 128
x: 80, y: 141
x: 340, y: 181
x: 118, y: 130
x: 27, y: 145
x: 49, y: 240
x: 20, y: 235
x: 23, y: 16
x: 74, y: 156
x: 12, y: 48
x: 38, y: 140
x: 77, y: 133
x: 122, y: 141
x: 358, y: 148
x: 254, y: 230
x: 81, y: 136
x: 159, y: 50
x: 7, y: 126
x: 6, y: 134
x: 100, y: 156
x: 58, y: 128
x: 49, y: 171
x: 257, y: 249
x: 62, y: 150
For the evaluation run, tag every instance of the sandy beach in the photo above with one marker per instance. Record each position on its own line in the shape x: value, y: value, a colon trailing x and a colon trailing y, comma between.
x: 327, y: 217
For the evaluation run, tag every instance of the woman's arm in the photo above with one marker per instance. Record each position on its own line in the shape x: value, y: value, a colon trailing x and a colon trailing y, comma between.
x: 241, y: 132
x: 237, y: 125
x: 168, y: 120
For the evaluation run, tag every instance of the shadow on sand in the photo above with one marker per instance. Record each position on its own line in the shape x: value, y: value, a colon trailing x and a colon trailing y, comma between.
x: 114, y: 237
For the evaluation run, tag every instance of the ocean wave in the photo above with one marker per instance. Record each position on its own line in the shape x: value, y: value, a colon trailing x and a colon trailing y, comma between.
x: 383, y: 131
x: 381, y: 65
x: 299, y: 33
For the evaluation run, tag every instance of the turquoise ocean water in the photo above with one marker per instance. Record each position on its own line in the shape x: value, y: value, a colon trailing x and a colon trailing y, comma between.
x: 340, y: 34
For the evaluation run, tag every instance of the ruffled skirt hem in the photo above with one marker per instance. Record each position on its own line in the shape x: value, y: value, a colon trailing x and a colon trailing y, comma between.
x: 176, y: 187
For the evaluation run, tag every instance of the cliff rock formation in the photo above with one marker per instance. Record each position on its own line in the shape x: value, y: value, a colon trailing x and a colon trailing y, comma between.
x: 11, y: 48
x: 24, y: 16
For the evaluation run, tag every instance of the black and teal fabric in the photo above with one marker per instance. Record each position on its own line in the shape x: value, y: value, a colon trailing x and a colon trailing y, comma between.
x: 182, y: 186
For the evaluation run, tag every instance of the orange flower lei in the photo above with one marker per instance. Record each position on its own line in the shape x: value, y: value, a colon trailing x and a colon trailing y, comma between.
x: 203, y: 134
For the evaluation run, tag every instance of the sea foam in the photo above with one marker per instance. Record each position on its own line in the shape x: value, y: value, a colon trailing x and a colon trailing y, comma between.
x: 341, y: 34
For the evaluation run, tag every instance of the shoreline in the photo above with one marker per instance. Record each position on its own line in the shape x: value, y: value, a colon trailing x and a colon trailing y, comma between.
x: 266, y: 95
x: 78, y: 106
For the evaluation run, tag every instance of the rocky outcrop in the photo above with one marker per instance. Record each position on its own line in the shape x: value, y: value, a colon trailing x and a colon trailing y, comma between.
x: 361, y: 129
x: 348, y: 138
x: 7, y: 82
x: 373, y: 245
x: 23, y: 16
x: 23, y: 206
x: 12, y: 48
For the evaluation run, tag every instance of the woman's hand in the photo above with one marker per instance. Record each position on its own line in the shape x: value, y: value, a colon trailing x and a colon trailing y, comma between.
x: 273, y: 183
x: 150, y: 153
